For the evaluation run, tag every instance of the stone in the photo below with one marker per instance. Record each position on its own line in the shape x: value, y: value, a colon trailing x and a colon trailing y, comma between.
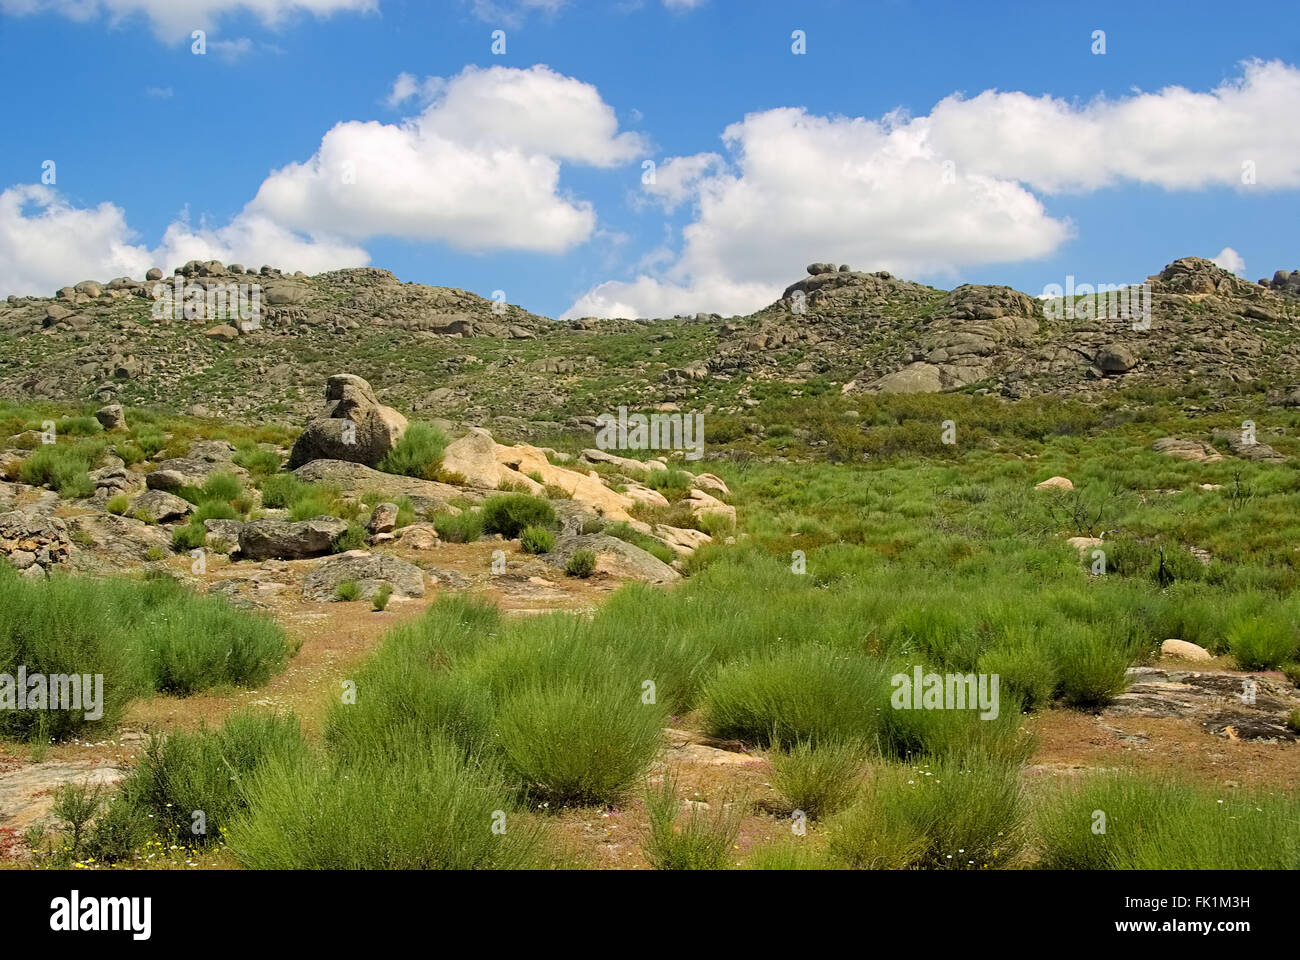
x: 354, y: 479
x: 914, y: 378
x: 712, y: 484
x: 154, y: 274
x: 223, y: 332
x: 111, y: 417
x: 1193, y: 450
x: 368, y: 571
x: 1055, y: 483
x: 285, y: 540
x: 1185, y: 650
x: 704, y: 504
x: 1115, y: 358
x: 1085, y: 545
x: 353, y: 426
x: 160, y: 506
x: 418, y: 536
x: 383, y: 519
x: 615, y: 558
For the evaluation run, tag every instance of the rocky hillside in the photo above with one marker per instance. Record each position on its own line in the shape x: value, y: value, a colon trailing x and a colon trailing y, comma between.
x: 449, y: 353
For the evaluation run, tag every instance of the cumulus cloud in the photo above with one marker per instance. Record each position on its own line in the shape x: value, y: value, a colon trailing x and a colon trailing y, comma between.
x: 1177, y: 138
x: 803, y: 188
x: 477, y: 169
x: 45, y: 243
x: 173, y: 20
x: 934, y: 194
x: 1230, y: 260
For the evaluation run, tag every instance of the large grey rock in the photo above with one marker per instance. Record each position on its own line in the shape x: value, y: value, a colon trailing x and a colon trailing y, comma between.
x: 205, y: 458
x: 354, y: 479
x: 111, y: 417
x: 160, y: 506
x: 368, y: 571
x: 1115, y: 358
x: 352, y: 426
x: 285, y: 540
x: 914, y: 378
x: 614, y: 558
x: 1194, y: 450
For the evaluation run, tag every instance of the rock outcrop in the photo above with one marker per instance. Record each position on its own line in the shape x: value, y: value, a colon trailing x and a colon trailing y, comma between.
x: 353, y: 426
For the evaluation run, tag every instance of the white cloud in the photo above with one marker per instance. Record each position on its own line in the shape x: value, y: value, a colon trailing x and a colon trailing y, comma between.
x: 679, y: 179
x: 172, y: 20
x: 1177, y: 139
x: 805, y: 188
x: 938, y: 193
x: 45, y: 244
x: 1230, y: 260
x: 478, y: 169
x: 679, y: 5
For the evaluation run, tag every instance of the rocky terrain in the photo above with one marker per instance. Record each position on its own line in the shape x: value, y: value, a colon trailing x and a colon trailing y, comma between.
x: 449, y: 353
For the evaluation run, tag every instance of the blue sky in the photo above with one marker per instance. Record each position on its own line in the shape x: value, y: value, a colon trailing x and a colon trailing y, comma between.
x: 162, y: 153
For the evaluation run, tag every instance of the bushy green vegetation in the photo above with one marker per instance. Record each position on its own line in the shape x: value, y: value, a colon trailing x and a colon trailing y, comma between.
x: 64, y: 467
x: 581, y: 564
x: 688, y: 837
x: 535, y: 539
x: 418, y: 453
x: 1131, y: 823
x: 463, y: 527
x: 142, y: 636
x: 510, y: 513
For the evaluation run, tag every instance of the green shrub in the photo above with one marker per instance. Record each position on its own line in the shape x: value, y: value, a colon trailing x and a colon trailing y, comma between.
x: 786, y: 855
x: 189, y: 537
x: 581, y: 564
x: 1028, y: 670
x: 1092, y: 666
x: 118, y: 505
x: 381, y: 596
x: 510, y: 513
x: 808, y: 693
x: 1262, y: 643
x: 819, y: 780
x: 1292, y: 672
x: 354, y: 538
x: 347, y: 591
x: 536, y: 540
x: 221, y: 486
x: 418, y: 453
x: 197, y: 642
x: 64, y: 467
x: 463, y: 527
x: 695, y: 839
x: 961, y: 814
x: 579, y: 743
x: 281, y: 489
x: 428, y: 808
x: 256, y: 460
x: 1118, y: 822
x: 208, y: 771
x: 68, y: 626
